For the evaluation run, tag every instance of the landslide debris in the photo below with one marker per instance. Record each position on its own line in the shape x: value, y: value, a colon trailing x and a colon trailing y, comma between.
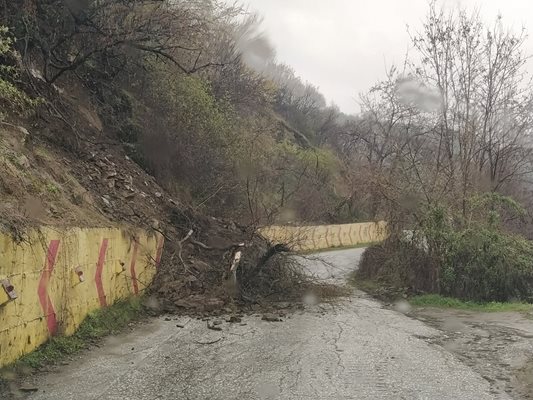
x: 196, y: 271
x: 46, y: 180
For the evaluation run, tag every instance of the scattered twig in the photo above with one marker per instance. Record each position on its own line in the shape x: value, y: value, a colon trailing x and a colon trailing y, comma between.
x: 213, y: 327
x: 10, y: 125
x: 203, y: 246
x: 187, y: 236
x: 209, y: 197
x: 167, y: 238
x: 28, y: 389
x: 180, y: 248
x: 212, y: 342
x: 206, y: 247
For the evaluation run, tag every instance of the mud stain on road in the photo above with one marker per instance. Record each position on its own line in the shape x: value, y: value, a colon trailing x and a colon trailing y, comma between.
x: 499, y: 346
x: 524, y: 378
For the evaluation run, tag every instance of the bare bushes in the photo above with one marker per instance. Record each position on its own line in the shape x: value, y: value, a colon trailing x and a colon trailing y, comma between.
x: 276, y: 276
x: 471, y: 260
x: 443, y: 144
x: 199, y: 271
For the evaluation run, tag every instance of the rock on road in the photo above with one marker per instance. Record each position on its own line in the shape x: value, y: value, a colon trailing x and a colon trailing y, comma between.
x: 353, y: 349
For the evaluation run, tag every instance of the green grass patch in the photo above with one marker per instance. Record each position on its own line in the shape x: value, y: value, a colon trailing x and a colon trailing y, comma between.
x: 387, y: 293
x: 100, y: 323
x: 435, y: 300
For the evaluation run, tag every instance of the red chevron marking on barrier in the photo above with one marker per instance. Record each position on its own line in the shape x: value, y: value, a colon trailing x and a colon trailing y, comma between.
x: 132, y: 267
x: 98, y: 275
x: 42, y: 290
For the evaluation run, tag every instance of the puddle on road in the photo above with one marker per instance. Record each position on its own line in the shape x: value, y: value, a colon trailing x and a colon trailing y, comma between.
x: 499, y: 346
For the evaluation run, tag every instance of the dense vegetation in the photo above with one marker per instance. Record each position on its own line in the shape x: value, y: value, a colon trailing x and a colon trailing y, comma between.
x: 441, y: 148
x: 195, y: 93
x: 12, y: 98
x: 472, y: 258
x: 452, y: 161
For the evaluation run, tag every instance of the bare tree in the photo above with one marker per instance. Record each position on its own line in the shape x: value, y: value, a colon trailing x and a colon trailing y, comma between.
x: 68, y: 34
x: 456, y: 121
x: 483, y: 124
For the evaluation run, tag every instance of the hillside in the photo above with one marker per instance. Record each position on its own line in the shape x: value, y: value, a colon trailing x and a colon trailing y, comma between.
x: 159, y: 161
x: 161, y: 114
x: 224, y: 135
x: 110, y: 118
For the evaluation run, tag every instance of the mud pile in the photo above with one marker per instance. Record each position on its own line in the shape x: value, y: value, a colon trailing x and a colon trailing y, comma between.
x: 216, y: 263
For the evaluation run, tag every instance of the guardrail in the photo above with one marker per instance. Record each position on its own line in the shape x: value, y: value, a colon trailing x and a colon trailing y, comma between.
x: 319, y: 237
x: 55, y: 277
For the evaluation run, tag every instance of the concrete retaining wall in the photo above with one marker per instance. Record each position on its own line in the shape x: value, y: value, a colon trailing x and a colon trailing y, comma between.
x: 319, y: 237
x: 60, y: 275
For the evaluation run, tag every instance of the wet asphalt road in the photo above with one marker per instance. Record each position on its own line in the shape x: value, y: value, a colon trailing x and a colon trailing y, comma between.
x: 353, y: 349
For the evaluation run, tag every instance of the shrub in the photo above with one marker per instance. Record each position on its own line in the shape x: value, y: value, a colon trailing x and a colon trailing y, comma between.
x: 194, y: 139
x: 471, y: 259
x: 11, y: 97
x: 486, y: 264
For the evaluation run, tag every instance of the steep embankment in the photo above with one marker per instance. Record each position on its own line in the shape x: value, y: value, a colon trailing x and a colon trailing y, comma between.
x: 82, y: 226
x: 145, y: 117
x: 62, y: 170
x: 65, y: 171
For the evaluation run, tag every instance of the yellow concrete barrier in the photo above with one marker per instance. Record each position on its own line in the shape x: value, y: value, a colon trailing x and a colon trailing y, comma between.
x: 319, y: 237
x: 58, y: 276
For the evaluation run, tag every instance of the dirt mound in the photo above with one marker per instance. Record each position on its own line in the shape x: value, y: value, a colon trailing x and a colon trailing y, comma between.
x: 219, y: 266
x: 218, y: 262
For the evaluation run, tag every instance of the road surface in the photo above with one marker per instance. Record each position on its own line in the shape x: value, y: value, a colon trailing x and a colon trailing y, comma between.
x: 353, y: 349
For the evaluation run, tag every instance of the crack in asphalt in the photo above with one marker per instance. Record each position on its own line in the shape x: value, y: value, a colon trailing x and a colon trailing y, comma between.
x: 336, y: 349
x: 353, y: 349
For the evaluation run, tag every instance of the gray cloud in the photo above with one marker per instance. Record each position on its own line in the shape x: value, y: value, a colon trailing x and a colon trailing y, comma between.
x: 412, y: 92
x: 344, y: 46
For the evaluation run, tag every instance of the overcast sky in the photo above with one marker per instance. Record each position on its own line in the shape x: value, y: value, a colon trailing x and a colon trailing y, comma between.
x: 344, y: 46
